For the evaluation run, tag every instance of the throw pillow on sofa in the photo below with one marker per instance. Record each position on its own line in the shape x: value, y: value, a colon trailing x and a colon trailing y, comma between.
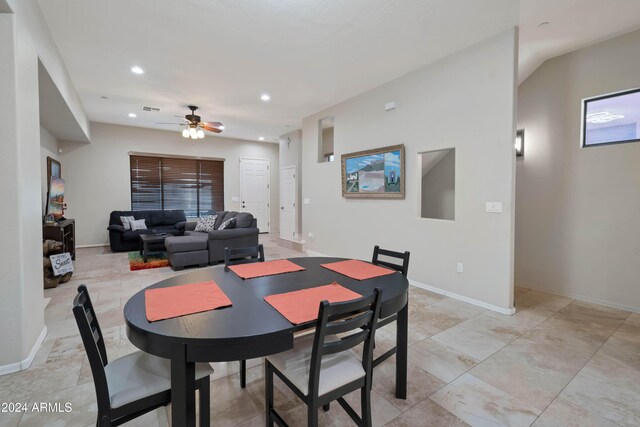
x: 138, y: 225
x: 230, y: 223
x: 206, y: 223
x: 126, y: 222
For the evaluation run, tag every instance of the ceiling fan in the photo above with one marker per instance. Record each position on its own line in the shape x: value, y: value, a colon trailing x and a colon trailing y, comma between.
x: 195, y: 127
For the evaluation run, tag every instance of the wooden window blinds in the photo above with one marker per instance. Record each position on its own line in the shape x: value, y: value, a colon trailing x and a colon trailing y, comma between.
x: 166, y: 183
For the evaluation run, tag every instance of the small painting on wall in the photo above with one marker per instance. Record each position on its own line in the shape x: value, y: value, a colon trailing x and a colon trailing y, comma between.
x: 54, y: 169
x: 374, y: 174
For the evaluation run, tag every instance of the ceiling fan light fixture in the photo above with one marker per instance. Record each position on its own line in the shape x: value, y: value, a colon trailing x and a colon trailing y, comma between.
x: 200, y: 133
x: 185, y: 133
x: 193, y: 133
x: 221, y: 127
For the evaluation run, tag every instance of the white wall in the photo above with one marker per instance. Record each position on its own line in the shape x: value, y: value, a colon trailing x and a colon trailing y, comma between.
x: 48, y: 148
x: 24, y: 38
x: 291, y: 155
x: 97, y: 175
x: 465, y: 101
x: 577, y: 209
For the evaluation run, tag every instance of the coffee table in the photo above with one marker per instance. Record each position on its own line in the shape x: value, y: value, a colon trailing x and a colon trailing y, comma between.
x: 147, y: 240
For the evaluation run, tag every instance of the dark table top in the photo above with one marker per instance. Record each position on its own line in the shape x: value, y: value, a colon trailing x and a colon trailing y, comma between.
x: 251, y: 327
x: 154, y: 237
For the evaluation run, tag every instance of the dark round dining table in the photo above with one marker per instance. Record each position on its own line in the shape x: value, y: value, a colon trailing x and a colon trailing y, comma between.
x: 250, y: 328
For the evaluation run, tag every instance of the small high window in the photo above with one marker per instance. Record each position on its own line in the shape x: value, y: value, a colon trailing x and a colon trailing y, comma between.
x: 611, y: 119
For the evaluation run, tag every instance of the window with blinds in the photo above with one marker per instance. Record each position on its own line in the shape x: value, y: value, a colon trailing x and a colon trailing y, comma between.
x: 166, y: 183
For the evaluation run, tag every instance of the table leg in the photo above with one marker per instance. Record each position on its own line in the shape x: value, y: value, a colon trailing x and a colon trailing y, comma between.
x: 402, y: 338
x: 183, y: 391
x: 145, y: 252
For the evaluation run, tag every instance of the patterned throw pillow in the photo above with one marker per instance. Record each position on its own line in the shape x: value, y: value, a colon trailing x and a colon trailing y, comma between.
x: 230, y: 223
x: 206, y: 223
x: 138, y: 225
x: 126, y: 222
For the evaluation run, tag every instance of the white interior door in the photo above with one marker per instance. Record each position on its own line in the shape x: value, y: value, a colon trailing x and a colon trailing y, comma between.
x: 254, y: 190
x: 288, y: 202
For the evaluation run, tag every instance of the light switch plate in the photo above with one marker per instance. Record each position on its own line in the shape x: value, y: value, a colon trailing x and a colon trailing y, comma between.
x: 493, y: 207
x: 235, y: 199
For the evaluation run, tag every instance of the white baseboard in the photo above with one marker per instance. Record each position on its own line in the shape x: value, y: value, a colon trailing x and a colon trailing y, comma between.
x: 459, y: 297
x: 93, y: 245
x: 583, y: 298
x: 21, y: 366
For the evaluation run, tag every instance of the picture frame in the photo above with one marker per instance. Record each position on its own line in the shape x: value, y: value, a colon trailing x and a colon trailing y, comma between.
x: 378, y: 173
x: 54, y: 169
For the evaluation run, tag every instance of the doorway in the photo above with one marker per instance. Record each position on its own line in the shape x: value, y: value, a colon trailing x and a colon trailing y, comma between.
x: 288, y: 202
x: 255, y: 192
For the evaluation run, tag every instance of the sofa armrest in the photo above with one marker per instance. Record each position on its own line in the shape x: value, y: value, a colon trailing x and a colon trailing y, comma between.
x: 190, y: 226
x: 232, y: 233
x: 116, y: 227
x: 180, y: 225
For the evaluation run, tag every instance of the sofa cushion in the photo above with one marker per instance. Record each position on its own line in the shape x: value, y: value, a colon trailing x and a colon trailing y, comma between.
x: 166, y: 229
x: 234, y: 233
x: 126, y: 221
x: 186, y: 243
x: 244, y: 219
x: 220, y: 218
x: 138, y: 224
x: 169, y: 217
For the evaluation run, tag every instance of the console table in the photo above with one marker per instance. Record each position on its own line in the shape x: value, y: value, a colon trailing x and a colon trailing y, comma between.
x: 63, y: 231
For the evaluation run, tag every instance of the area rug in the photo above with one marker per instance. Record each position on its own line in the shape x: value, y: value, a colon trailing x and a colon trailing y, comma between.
x: 154, y: 260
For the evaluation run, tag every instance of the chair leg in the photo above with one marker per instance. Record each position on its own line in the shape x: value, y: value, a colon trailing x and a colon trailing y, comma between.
x: 365, y: 395
x: 326, y: 406
x: 312, y: 415
x: 103, y: 420
x: 243, y: 373
x: 268, y: 385
x: 205, y: 408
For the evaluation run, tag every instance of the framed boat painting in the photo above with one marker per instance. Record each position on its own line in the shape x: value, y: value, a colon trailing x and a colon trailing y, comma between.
x: 374, y: 174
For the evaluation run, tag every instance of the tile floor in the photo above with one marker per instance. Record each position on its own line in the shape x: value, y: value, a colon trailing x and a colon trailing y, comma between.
x: 557, y: 362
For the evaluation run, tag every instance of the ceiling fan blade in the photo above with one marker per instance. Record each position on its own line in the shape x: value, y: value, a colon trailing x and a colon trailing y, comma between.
x: 213, y: 124
x: 182, y: 117
x: 180, y: 124
x: 211, y: 128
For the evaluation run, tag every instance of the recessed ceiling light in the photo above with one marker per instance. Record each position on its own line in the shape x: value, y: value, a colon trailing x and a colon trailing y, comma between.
x: 261, y: 138
x: 104, y: 97
x: 265, y: 97
x: 543, y: 24
x: 132, y: 115
x: 137, y: 70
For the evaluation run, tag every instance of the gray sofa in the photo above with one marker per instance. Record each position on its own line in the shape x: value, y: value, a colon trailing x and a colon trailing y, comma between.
x: 244, y: 234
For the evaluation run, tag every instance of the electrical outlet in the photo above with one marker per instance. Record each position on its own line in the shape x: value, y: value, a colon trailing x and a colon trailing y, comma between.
x: 307, y: 201
x: 460, y: 267
x: 311, y: 237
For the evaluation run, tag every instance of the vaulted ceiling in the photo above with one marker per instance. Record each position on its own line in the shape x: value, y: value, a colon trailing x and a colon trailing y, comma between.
x: 307, y: 55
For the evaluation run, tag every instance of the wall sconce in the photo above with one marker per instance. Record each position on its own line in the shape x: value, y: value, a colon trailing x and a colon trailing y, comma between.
x: 519, y: 144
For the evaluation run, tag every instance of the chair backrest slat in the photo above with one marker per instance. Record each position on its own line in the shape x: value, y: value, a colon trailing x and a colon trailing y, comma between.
x: 345, y: 343
x: 243, y: 255
x: 356, y: 320
x: 94, y: 345
x: 349, y: 324
x: 402, y: 268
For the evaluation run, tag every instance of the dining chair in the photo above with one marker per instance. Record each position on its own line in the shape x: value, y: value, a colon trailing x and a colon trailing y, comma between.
x: 132, y: 385
x: 402, y: 268
x: 243, y: 256
x: 322, y: 368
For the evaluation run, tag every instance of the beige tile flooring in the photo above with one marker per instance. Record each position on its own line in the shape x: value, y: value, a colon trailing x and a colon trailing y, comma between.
x: 557, y: 362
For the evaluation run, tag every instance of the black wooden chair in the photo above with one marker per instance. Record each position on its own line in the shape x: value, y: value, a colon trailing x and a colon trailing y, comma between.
x: 243, y: 256
x: 322, y: 368
x: 402, y: 268
x: 133, y: 384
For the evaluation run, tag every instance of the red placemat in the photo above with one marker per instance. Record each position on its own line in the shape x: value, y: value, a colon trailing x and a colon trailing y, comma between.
x: 358, y: 270
x: 302, y: 306
x: 267, y: 268
x: 176, y: 301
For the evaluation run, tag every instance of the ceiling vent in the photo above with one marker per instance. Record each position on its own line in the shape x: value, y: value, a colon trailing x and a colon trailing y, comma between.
x: 150, y: 109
